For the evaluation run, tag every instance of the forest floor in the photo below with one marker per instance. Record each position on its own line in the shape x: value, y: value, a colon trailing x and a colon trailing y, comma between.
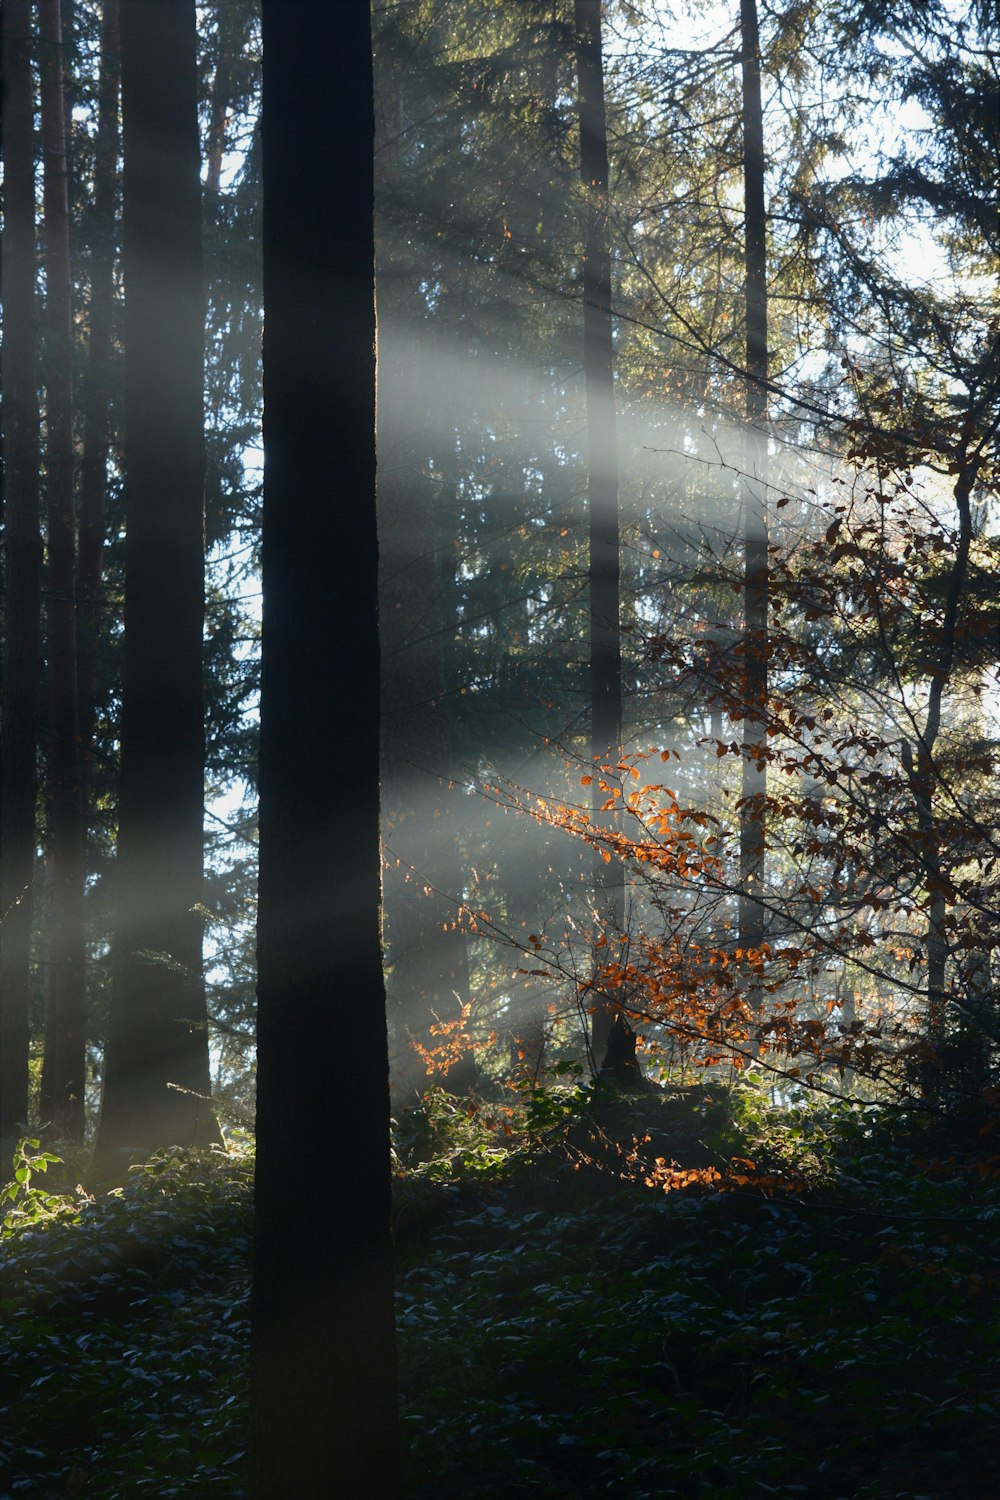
x: 805, y: 1306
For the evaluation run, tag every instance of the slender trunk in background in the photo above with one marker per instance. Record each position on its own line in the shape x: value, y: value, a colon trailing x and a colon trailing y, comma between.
x: 602, y: 486
x: 423, y: 874
x: 755, y: 642
x: 426, y: 953
x: 96, y: 392
x: 64, y: 1067
x: 22, y: 566
x: 156, y: 1082
x: 323, y: 1402
x: 923, y: 777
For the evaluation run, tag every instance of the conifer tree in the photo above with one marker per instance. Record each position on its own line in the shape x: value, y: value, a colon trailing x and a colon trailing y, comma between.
x: 602, y: 487
x: 322, y: 1341
x: 755, y: 590
x: 96, y: 402
x: 22, y: 565
x: 156, y: 1082
x: 64, y: 1068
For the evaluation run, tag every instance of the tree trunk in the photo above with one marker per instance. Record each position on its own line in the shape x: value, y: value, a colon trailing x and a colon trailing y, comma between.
x: 96, y: 393
x: 923, y: 779
x: 323, y: 1405
x: 602, y: 485
x: 426, y: 953
x: 423, y: 879
x: 755, y: 592
x: 64, y: 1068
x: 156, y: 1083
x: 22, y: 566
x: 430, y: 980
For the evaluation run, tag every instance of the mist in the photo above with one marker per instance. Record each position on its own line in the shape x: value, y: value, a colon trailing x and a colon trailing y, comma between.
x: 491, y: 914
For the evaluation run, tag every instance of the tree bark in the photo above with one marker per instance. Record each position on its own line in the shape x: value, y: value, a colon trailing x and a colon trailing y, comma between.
x: 22, y: 566
x: 156, y: 1083
x: 323, y: 1405
x: 602, y: 480
x: 96, y: 400
x: 755, y: 589
x: 423, y: 879
x: 64, y: 1067
x: 923, y: 778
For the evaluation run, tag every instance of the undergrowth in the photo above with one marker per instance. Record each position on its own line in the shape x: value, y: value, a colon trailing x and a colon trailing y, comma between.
x: 124, y: 1333
x: 698, y: 1295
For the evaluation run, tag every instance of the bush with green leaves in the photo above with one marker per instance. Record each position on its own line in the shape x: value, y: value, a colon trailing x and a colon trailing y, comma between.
x: 564, y: 1330
x: 124, y: 1335
x: 837, y: 1341
x: 21, y: 1201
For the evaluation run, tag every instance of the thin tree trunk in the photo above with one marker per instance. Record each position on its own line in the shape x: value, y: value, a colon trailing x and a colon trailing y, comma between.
x: 923, y: 778
x: 430, y: 972
x: 602, y: 485
x: 430, y: 981
x: 96, y: 393
x: 64, y: 1068
x: 156, y: 1083
x: 427, y: 954
x: 22, y: 567
x: 755, y: 593
x: 323, y: 1405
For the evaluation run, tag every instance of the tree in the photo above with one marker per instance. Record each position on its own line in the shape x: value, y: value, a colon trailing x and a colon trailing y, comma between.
x: 922, y: 386
x: 602, y: 483
x: 96, y: 395
x: 322, y: 1349
x: 22, y: 565
x: 484, y: 567
x: 755, y: 587
x: 64, y: 1067
x: 423, y: 874
x: 425, y: 948
x: 156, y: 1080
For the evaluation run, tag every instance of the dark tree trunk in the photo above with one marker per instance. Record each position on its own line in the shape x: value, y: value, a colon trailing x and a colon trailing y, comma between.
x: 96, y: 393
x: 22, y: 566
x: 64, y: 1068
x: 322, y: 1345
x: 156, y: 1083
x: 621, y: 1064
x: 755, y: 641
x: 923, y: 777
x: 602, y: 488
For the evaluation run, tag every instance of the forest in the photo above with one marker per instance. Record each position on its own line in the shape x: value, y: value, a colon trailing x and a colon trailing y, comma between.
x: 499, y: 749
